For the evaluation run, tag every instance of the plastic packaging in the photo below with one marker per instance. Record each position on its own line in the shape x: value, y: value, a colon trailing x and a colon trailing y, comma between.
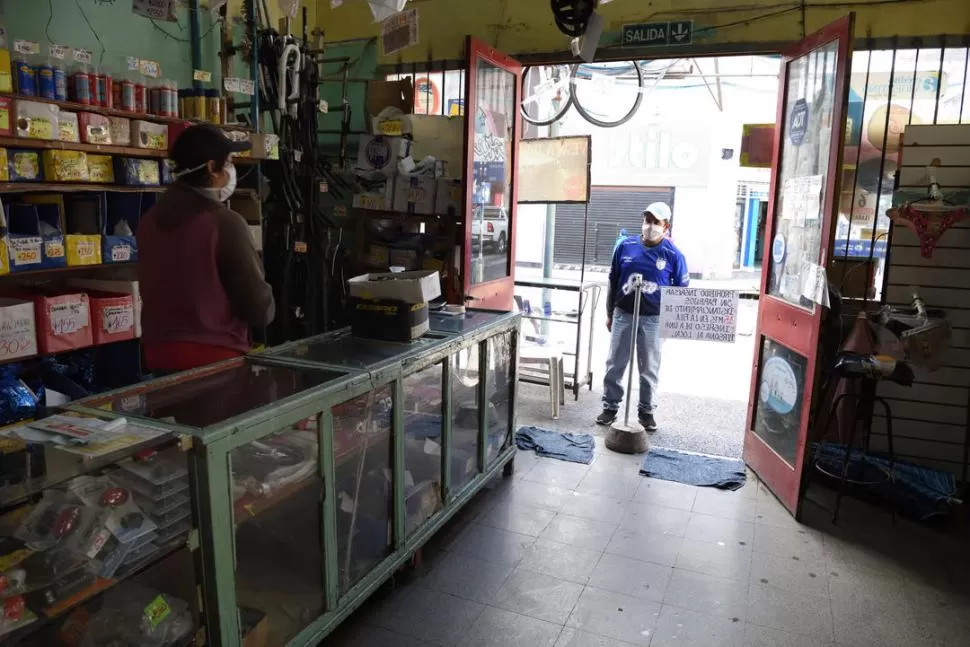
x: 45, y: 80
x: 135, y: 615
x: 81, y: 85
x: 60, y: 80
x: 26, y: 79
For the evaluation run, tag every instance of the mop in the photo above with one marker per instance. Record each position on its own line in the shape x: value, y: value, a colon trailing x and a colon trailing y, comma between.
x: 622, y: 437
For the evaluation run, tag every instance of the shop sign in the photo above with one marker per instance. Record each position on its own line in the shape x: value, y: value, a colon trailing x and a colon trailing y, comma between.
x: 779, y: 386
x: 658, y: 34
x: 798, y: 122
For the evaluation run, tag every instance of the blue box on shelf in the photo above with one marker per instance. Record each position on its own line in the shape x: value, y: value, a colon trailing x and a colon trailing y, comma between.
x: 132, y: 171
x: 24, y: 165
x: 124, y: 209
x: 31, y: 247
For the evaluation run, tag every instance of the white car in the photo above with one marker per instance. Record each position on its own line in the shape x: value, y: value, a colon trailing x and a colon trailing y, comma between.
x: 492, y: 230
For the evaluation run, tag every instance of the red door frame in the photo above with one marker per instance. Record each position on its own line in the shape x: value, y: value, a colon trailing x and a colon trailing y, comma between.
x: 778, y: 320
x: 497, y: 294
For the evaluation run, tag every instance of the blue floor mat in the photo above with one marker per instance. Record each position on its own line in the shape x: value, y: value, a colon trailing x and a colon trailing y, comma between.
x: 693, y: 469
x: 575, y: 448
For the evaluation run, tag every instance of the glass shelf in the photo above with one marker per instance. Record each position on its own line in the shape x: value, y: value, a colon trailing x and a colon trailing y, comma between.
x: 343, y: 349
x: 471, y: 321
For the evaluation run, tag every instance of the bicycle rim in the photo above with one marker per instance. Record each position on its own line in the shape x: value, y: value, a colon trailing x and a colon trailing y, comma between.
x: 538, y: 120
x: 596, y: 121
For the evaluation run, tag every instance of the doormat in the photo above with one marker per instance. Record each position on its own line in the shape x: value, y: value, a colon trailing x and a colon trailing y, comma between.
x: 694, y: 469
x: 574, y: 448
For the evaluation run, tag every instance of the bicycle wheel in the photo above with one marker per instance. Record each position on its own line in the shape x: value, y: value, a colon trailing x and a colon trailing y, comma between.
x: 546, y: 94
x: 607, y: 94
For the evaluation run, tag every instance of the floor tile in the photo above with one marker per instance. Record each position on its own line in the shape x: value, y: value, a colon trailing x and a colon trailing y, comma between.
x: 561, y: 560
x: 713, y: 595
x: 575, y: 638
x: 598, y: 508
x: 717, y: 559
x: 492, y: 544
x: 755, y: 636
x: 631, y: 577
x: 583, y: 533
x: 365, y: 636
x: 790, y: 574
x: 467, y: 577
x: 522, y: 519
x: 547, y: 497
x: 650, y: 547
x: 706, y: 527
x: 538, y: 595
x: 769, y: 511
x: 431, y: 616
x: 804, y: 543
x: 500, y: 628
x: 615, y: 615
x: 808, y: 615
x: 684, y: 628
x: 557, y: 473
x: 618, y: 486
x: 724, y: 504
x: 613, y: 463
x: 666, y: 493
x: 656, y: 519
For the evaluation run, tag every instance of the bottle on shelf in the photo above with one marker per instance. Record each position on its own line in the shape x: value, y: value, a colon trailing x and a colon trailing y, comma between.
x: 44, y: 76
x: 60, y: 79
x: 141, y: 96
x: 26, y: 76
x: 127, y: 103
x: 81, y: 85
x: 213, y: 104
x: 104, y: 83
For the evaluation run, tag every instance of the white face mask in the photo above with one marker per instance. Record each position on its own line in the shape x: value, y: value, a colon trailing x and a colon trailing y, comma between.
x: 223, y: 193
x: 652, y: 232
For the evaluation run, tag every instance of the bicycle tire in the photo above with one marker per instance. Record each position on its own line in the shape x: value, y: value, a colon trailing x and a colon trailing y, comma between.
x: 567, y: 104
x: 599, y: 122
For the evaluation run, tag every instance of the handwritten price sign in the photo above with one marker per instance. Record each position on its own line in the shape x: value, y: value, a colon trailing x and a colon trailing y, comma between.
x: 118, y: 319
x: 68, y: 317
x: 18, y: 334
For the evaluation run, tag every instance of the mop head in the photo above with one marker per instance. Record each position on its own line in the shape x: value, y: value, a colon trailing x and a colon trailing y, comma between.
x: 627, y: 439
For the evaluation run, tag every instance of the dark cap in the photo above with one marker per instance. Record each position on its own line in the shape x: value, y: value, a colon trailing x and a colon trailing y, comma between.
x: 203, y: 143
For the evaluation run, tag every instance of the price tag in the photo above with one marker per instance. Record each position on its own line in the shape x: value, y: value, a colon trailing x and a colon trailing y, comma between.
x: 299, y: 247
x: 247, y: 87
x: 121, y: 254
x: 132, y: 64
x: 391, y: 128
x: 118, y: 319
x: 151, y: 69
x: 230, y: 84
x: 67, y: 318
x: 26, y: 46
x: 202, y: 75
x: 17, y: 333
x: 26, y: 251
x: 323, y: 106
x: 82, y: 56
x: 324, y: 187
x: 58, y: 51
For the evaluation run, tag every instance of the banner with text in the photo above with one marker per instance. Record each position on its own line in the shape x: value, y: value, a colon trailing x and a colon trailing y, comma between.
x: 700, y: 314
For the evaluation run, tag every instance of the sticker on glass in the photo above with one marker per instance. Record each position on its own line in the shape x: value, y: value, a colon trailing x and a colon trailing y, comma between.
x: 779, y: 386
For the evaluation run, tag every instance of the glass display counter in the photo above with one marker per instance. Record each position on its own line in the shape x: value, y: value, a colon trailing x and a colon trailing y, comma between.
x: 319, y: 467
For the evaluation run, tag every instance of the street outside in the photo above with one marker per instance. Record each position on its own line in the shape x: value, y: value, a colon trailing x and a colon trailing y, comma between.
x: 704, y: 386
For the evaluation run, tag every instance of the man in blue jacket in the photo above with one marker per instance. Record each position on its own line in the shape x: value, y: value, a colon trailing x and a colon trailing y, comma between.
x: 657, y: 262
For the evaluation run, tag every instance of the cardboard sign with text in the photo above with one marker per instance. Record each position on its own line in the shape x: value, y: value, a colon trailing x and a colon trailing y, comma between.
x: 699, y: 314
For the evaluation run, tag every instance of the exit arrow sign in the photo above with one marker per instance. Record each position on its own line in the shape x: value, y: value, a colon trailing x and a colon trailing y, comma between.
x: 658, y: 34
x: 681, y: 32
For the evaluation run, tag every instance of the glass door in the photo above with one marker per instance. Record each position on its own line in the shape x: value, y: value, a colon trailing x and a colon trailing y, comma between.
x: 492, y: 130
x: 794, y: 291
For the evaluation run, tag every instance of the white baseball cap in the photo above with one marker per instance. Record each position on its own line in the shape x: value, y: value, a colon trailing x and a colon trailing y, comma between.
x: 658, y: 210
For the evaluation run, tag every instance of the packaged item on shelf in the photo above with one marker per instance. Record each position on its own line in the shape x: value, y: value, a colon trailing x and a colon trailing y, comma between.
x: 37, y: 120
x: 213, y: 109
x: 265, y: 146
x: 6, y: 79
x: 118, y: 244
x: 104, y: 84
x: 448, y: 197
x: 100, y: 169
x: 95, y: 128
x: 120, y: 128
x: 376, y: 197
x: 379, y: 154
x: 6, y: 124
x: 60, y: 80
x: 165, y: 171
x: 68, y: 127
x: 141, y: 96
x: 108, y: 285
x: 114, y: 317
x: 18, y: 329
x: 80, y: 85
x: 127, y: 95
x: 84, y: 222
x: 378, y: 256
x: 240, y: 136
x: 44, y: 73
x: 132, y: 171
x: 35, y: 237
x: 65, y: 166
x: 26, y: 78
x: 409, y: 259
x: 147, y: 134
x: 392, y: 306
x: 24, y: 165
x: 414, y: 194
x: 63, y: 322
x: 4, y: 169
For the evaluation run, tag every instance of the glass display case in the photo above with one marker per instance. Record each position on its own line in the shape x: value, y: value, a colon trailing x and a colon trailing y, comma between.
x: 314, y: 470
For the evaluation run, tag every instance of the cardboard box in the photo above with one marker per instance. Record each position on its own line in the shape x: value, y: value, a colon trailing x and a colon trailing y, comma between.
x: 24, y: 166
x: 101, y: 169
x: 18, y: 329
x: 112, y: 285
x: 413, y: 287
x: 37, y: 120
x: 63, y: 322
x: 448, y: 199
x: 388, y: 319
x: 379, y: 199
x: 132, y: 171
x: 390, y: 94
x: 409, y: 259
x: 83, y: 249
x: 113, y: 317
x: 147, y: 134
x: 120, y: 128
x: 6, y: 123
x: 265, y: 146
x: 68, y: 127
x: 95, y: 129
x: 65, y: 166
x: 414, y: 194
x: 378, y: 154
x: 378, y: 255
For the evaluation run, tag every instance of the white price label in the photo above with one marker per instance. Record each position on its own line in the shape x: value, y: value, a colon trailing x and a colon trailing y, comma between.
x: 118, y: 319
x: 82, y: 56
x: 26, y: 46
x: 68, y: 318
x: 247, y: 87
x: 121, y: 254
x: 230, y: 84
x: 58, y: 51
x: 323, y: 106
x: 202, y: 75
x: 17, y: 334
x: 132, y: 63
x: 151, y: 69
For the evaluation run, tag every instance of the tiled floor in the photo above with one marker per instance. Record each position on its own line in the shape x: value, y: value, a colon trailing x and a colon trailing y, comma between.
x: 566, y: 555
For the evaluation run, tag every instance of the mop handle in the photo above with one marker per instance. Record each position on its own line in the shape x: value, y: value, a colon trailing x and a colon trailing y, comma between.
x: 637, y: 285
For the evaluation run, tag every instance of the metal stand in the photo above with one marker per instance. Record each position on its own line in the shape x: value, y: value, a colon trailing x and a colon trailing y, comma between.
x: 622, y: 437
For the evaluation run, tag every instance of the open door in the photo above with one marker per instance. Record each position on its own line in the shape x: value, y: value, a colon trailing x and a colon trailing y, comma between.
x: 804, y: 192
x: 492, y: 131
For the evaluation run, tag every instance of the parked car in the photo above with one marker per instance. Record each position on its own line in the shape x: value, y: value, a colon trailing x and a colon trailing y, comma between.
x: 491, y: 231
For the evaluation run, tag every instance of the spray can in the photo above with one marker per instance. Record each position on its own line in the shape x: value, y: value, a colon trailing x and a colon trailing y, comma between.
x: 104, y: 83
x: 26, y: 80
x: 81, y: 85
x: 45, y: 80
x: 60, y: 80
x: 155, y: 100
x: 127, y: 102
x: 169, y: 99
x: 141, y: 97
